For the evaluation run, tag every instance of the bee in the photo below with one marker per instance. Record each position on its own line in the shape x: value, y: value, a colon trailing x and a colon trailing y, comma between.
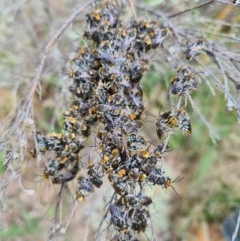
x: 136, y: 175
x: 114, y: 112
x: 139, y: 218
x: 85, y: 129
x: 149, y: 163
x: 117, y: 218
x: 82, y: 88
x: 175, y: 85
x: 83, y: 185
x: 115, y: 99
x: 131, y: 126
x: 75, y: 146
x: 63, y: 178
x: 55, y: 141
x: 133, y: 200
x: 159, y: 36
x: 73, y: 165
x: 131, y: 138
x: 41, y: 142
x: 129, y: 200
x: 155, y: 176
x: 183, y: 71
x: 93, y: 110
x: 68, y: 137
x: 126, y: 235
x: 136, y: 70
x: 100, y: 94
x: 135, y: 142
x: 33, y: 152
x: 70, y: 124
x: 147, y: 42
x: 144, y: 200
x: 236, y: 2
x: 119, y: 185
x: 52, y: 167
x: 104, y: 56
x: 184, y: 122
x: 128, y: 38
x: 165, y: 123
x: 167, y: 182
x: 193, y: 48
x: 97, y: 180
x: 184, y: 82
x: 94, y: 176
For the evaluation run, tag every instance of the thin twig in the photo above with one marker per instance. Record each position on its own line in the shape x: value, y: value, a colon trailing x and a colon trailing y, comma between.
x: 52, y: 43
x: 190, y: 9
x: 236, y: 228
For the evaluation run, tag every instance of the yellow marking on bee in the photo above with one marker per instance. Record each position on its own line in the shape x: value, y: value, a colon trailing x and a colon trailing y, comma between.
x: 104, y: 160
x: 63, y: 159
x: 79, y: 197
x: 72, y: 120
x: 57, y: 135
x: 78, y: 90
x: 109, y: 170
x: 146, y: 24
x: 142, y: 177
x: 145, y: 154
x: 121, y: 173
x: 75, y: 107
x: 151, y: 33
x: 132, y: 117
x: 115, y: 152
x: 147, y: 40
x: 96, y: 15
x: 70, y: 73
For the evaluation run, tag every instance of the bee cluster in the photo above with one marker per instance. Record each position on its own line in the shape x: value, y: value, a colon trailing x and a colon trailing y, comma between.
x: 107, y: 94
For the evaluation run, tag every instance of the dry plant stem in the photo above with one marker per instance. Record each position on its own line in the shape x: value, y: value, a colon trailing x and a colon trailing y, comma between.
x: 152, y: 228
x: 191, y: 9
x: 3, y: 187
x: 51, y: 44
x: 213, y: 134
x: 218, y: 84
x: 69, y: 219
x: 132, y: 5
x: 98, y: 233
x: 236, y: 228
x: 57, y: 221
